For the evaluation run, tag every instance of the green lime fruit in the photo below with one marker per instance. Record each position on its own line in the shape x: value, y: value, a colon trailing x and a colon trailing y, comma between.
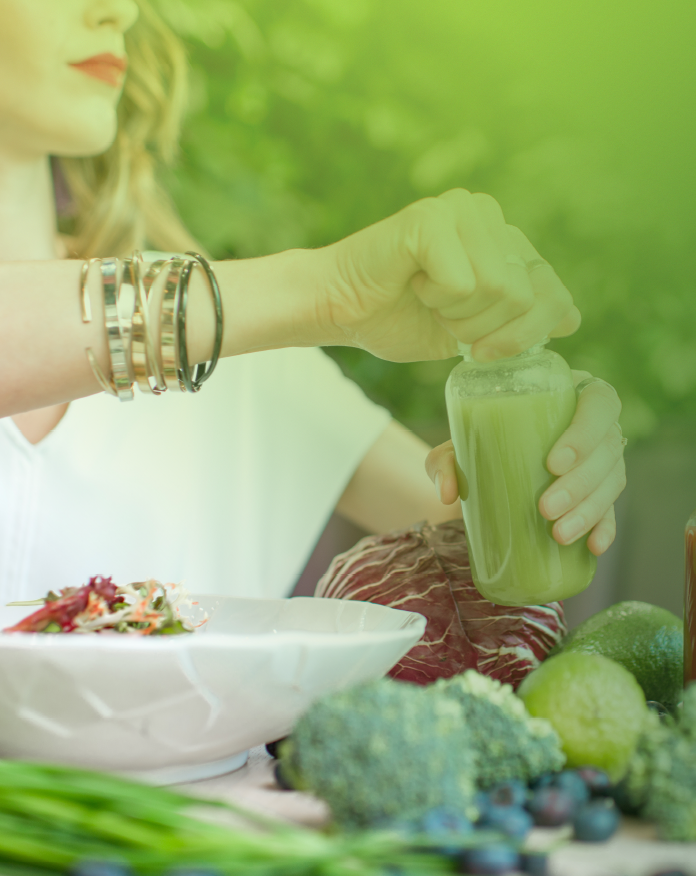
x: 595, y: 705
x: 645, y: 639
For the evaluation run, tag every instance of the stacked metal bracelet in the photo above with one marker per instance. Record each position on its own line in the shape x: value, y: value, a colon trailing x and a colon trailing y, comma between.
x: 133, y: 343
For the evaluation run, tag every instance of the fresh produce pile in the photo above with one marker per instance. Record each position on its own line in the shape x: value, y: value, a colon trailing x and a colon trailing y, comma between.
x: 450, y: 776
x: 461, y: 759
x: 468, y: 754
x: 100, y: 606
x: 386, y: 750
x: 426, y: 569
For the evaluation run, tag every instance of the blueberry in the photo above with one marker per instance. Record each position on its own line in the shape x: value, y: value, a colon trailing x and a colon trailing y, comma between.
x: 551, y: 807
x: 482, y: 801
x: 597, y: 781
x: 671, y: 873
x: 99, y: 868
x: 281, y: 778
x: 489, y: 860
x: 572, y: 783
x: 443, y: 823
x: 596, y: 821
x: 542, y: 781
x: 272, y: 747
x: 625, y: 801
x: 512, y: 793
x: 534, y: 863
x: 513, y: 821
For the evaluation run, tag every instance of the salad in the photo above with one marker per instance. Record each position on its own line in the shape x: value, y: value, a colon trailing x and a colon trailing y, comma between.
x: 145, y: 608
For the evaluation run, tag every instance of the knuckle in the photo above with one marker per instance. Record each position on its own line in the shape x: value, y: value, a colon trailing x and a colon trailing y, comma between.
x: 609, y: 523
x: 427, y: 210
x: 582, y: 438
x: 520, y: 299
x: 582, y: 483
x: 441, y: 455
x: 514, y: 346
x: 621, y: 478
x: 488, y: 204
x: 493, y: 282
x: 617, y: 437
x: 459, y: 195
x: 562, y: 300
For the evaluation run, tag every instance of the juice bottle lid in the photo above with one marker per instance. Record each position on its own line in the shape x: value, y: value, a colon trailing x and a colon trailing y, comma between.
x: 465, y: 349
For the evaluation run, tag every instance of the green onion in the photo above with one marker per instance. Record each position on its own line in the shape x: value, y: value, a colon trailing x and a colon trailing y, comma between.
x: 52, y: 816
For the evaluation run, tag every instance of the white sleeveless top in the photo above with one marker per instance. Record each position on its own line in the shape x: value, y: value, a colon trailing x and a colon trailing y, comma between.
x: 226, y: 491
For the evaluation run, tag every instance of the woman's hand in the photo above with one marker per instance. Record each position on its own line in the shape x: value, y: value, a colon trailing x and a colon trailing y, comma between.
x: 588, y: 460
x: 441, y: 270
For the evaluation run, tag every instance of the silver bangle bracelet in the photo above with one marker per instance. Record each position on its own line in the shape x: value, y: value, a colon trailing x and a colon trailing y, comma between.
x: 144, y: 354
x: 117, y: 353
x: 169, y: 341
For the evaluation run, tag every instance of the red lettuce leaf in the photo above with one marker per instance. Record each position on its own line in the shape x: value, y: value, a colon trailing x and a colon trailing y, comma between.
x: 62, y: 610
x: 426, y: 569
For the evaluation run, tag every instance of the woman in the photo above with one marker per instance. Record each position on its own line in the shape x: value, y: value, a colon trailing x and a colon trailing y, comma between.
x: 230, y: 488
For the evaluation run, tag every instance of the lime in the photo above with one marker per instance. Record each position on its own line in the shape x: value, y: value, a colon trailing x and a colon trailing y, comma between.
x: 645, y: 639
x: 595, y: 705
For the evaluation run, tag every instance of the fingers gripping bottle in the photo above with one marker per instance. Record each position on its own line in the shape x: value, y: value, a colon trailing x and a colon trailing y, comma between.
x: 505, y: 417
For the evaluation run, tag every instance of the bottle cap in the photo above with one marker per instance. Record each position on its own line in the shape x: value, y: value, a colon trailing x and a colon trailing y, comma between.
x: 464, y: 349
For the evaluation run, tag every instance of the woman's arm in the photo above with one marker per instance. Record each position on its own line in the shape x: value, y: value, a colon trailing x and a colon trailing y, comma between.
x: 43, y: 339
x: 407, y: 288
x: 390, y: 488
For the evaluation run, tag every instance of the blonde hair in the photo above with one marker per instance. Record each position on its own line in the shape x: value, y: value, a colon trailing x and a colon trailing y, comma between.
x: 117, y: 200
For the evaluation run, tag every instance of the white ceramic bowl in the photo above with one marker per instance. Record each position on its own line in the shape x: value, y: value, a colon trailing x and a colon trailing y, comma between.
x: 174, y: 709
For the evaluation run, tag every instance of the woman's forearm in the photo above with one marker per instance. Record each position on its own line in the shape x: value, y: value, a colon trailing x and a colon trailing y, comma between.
x: 404, y: 289
x: 267, y: 303
x: 390, y: 488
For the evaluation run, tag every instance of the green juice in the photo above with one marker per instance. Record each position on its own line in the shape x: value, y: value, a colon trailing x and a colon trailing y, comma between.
x: 501, y: 443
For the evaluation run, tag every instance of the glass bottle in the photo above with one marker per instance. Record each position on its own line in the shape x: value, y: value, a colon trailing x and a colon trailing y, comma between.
x: 505, y: 417
x: 690, y: 602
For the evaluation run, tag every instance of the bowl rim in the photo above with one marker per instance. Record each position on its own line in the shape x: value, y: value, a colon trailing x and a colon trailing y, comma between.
x: 249, y: 641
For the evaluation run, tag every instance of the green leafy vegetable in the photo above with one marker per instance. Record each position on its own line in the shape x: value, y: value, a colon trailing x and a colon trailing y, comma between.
x: 390, y: 751
x: 661, y: 781
x: 509, y: 743
x: 383, y: 751
x: 52, y: 816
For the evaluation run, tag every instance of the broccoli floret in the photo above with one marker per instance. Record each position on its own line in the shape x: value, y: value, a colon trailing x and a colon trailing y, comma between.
x: 661, y: 780
x: 382, y: 752
x: 509, y: 742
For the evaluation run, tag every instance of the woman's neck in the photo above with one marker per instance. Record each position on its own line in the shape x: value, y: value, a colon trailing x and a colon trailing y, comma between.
x: 27, y: 209
x: 28, y: 233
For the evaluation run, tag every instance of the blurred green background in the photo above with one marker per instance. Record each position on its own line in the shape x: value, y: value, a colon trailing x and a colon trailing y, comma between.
x: 313, y: 118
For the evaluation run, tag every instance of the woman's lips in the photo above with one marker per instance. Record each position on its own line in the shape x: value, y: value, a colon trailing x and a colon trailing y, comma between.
x: 108, y: 68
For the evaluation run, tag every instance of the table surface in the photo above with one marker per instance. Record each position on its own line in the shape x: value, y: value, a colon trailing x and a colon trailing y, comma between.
x: 633, y: 851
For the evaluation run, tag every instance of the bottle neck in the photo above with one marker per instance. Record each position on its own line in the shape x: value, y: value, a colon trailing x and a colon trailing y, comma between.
x: 465, y: 352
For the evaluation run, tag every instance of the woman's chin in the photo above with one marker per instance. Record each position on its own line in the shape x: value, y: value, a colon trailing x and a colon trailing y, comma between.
x: 83, y: 148
x: 87, y: 139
